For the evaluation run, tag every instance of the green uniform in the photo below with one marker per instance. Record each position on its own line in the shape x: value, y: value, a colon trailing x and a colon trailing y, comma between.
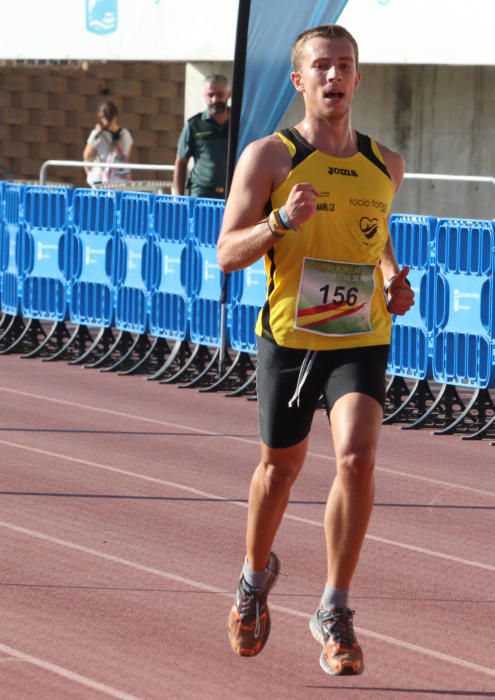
x: 205, y: 140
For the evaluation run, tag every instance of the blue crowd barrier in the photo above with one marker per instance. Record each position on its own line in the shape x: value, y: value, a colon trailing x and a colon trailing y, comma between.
x: 171, y: 284
x: 412, y: 334
x: 13, y: 223
x: 148, y: 263
x: 94, y: 252
x: 464, y: 340
x: 207, y: 279
x: 46, y: 264
x: 2, y: 239
x: 133, y: 262
x: 3, y: 261
x: 248, y: 296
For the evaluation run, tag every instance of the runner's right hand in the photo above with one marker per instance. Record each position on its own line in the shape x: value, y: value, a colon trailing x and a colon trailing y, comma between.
x: 301, y: 203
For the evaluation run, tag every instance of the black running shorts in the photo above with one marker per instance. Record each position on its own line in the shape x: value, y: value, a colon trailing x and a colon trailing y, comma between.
x: 333, y: 374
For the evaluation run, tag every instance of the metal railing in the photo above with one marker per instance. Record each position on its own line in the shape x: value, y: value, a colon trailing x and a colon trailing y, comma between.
x: 445, y: 205
x: 457, y: 178
x: 170, y: 168
x: 89, y: 164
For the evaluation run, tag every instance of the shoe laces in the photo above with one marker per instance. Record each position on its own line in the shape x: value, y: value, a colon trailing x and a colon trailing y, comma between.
x: 250, y: 603
x: 338, y: 626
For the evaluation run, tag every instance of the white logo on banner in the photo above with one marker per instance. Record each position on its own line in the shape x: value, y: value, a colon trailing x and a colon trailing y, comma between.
x: 101, y: 16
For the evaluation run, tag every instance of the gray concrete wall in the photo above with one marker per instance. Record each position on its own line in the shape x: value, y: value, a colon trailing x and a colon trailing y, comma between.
x: 442, y: 119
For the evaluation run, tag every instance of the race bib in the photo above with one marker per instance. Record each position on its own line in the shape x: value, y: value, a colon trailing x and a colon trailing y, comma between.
x: 335, y: 297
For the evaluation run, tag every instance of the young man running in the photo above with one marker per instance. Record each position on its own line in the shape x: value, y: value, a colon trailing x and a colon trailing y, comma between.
x: 315, y: 200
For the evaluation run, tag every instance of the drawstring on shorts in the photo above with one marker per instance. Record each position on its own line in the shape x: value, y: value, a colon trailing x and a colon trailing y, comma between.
x: 306, y: 366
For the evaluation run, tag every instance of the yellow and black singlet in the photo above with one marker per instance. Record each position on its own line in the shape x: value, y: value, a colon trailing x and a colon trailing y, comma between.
x: 325, y: 286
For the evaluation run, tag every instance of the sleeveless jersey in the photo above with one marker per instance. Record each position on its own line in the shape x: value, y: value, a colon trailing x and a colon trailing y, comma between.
x: 325, y: 286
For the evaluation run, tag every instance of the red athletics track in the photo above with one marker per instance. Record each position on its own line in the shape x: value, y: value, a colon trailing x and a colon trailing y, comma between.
x: 122, y: 526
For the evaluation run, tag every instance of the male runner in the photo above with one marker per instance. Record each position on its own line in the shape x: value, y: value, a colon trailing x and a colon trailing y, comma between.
x: 315, y: 200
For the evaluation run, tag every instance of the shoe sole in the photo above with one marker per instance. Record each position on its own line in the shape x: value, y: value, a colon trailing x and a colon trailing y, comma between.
x: 348, y: 667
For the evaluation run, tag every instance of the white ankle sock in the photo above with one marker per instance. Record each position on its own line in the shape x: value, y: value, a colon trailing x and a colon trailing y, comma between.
x: 334, y: 598
x: 256, y: 579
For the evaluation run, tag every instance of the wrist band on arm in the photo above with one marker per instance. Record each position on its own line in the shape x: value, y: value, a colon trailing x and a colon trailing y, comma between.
x: 275, y: 225
x: 284, y: 219
x: 281, y: 223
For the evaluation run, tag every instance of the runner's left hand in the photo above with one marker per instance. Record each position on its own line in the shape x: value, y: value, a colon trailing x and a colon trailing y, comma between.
x: 399, y: 293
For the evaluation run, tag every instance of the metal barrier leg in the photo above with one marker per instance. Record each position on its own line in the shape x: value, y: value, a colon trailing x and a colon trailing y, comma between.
x: 248, y: 389
x: 139, y: 347
x: 420, y: 398
x: 12, y: 330
x: 174, y: 362
x: 208, y: 373
x: 57, y: 330
x: 487, y: 431
x: 99, y: 346
x: 152, y: 359
x: 4, y: 321
x: 76, y: 344
x: 198, y: 359
x: 476, y: 414
x: 30, y: 337
x: 120, y: 346
x: 235, y: 376
x: 447, y: 405
x: 396, y: 393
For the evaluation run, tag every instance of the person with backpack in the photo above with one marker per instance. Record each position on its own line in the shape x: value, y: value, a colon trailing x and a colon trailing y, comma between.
x: 107, y: 143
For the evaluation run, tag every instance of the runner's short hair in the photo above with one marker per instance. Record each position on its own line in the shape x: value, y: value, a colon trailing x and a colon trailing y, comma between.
x: 324, y: 31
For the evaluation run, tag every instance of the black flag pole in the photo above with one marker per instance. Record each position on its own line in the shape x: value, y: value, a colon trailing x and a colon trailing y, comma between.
x: 237, y: 87
x: 235, y: 119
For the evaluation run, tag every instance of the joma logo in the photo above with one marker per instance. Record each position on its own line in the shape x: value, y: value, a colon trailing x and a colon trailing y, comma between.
x: 342, y: 171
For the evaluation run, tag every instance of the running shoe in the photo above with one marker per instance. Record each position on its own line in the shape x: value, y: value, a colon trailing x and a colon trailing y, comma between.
x: 333, y: 629
x: 249, y: 618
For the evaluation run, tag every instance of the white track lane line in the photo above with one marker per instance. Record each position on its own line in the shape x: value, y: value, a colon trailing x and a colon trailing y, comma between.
x: 250, y: 441
x: 65, y: 673
x: 213, y: 589
x: 213, y: 496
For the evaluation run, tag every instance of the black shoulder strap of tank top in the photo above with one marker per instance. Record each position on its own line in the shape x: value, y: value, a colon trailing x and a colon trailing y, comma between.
x: 364, y: 147
x: 303, y: 148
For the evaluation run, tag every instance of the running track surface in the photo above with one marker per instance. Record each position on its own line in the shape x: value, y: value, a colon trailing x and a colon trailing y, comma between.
x: 122, y: 536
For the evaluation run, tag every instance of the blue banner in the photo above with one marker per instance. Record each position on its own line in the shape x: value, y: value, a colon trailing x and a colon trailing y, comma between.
x: 267, y: 90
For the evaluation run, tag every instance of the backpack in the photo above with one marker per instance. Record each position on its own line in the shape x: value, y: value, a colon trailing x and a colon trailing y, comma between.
x: 116, y: 155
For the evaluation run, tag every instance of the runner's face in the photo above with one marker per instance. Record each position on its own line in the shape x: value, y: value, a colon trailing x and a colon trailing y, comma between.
x: 328, y: 76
